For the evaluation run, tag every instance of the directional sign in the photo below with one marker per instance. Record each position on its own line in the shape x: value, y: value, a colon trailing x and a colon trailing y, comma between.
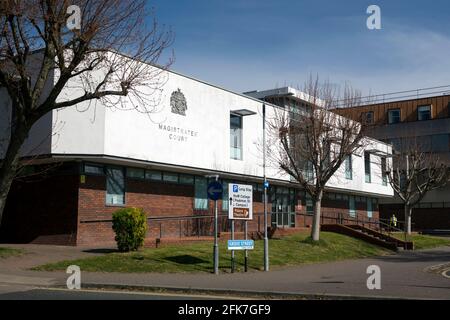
x: 215, y: 190
x: 241, y: 245
x: 266, y: 184
x: 241, y: 202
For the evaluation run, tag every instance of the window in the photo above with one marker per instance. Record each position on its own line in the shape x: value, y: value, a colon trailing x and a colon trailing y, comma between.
x: 201, y: 196
x: 135, y: 173
x: 309, y: 170
x: 115, y: 186
x: 424, y: 113
x: 348, y: 168
x: 368, y: 117
x: 369, y: 208
x: 153, y: 175
x: 235, y: 137
x: 170, y: 177
x: 394, y: 116
x: 351, y: 206
x: 186, y: 179
x: 93, y: 169
x: 440, y: 142
x: 367, y: 167
x: 309, y: 205
x: 383, y: 171
x: 225, y: 196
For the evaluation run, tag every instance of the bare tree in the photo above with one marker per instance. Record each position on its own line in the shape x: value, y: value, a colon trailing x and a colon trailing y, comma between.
x: 96, y: 47
x: 415, y: 170
x: 312, y: 142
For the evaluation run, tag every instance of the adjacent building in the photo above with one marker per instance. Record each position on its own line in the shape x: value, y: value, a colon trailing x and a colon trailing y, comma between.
x: 425, y: 122
x: 91, y: 160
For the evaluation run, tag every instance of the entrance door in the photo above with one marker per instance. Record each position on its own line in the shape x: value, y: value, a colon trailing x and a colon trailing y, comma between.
x: 283, y: 210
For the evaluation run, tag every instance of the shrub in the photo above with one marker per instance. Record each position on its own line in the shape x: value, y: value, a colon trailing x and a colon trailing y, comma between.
x: 130, y: 226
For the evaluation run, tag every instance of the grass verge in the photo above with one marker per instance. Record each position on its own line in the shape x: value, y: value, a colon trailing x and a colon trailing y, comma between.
x: 423, y: 241
x: 8, y: 252
x: 289, y: 251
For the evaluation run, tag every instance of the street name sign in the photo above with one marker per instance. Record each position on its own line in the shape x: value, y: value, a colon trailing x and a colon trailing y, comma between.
x: 241, y: 244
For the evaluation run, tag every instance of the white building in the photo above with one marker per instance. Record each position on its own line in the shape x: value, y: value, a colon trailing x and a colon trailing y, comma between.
x: 159, y: 161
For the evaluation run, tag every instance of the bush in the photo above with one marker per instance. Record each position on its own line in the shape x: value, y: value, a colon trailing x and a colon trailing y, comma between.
x: 130, y: 226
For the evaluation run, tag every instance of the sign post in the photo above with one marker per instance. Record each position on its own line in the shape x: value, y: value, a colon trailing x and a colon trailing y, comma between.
x: 215, y: 191
x: 240, y: 208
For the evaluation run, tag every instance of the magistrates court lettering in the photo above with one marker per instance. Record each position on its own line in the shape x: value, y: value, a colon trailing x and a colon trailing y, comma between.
x: 177, y: 133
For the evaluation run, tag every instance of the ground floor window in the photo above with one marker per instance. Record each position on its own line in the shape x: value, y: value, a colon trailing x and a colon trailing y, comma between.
x: 369, y: 208
x: 352, y: 206
x: 115, y: 186
x: 201, y: 194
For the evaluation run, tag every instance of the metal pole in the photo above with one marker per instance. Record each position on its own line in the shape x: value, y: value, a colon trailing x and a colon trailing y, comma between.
x: 232, y: 251
x: 266, y: 239
x: 216, y: 242
x: 246, y: 251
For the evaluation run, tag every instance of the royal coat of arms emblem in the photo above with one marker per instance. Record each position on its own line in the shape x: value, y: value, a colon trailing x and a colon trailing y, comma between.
x: 178, y: 103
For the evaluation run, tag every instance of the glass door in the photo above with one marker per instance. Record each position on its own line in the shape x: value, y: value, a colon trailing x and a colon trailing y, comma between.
x: 283, y: 208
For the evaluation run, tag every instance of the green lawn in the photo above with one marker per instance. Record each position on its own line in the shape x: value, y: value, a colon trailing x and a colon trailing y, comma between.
x: 423, y: 241
x: 7, y: 252
x: 289, y: 251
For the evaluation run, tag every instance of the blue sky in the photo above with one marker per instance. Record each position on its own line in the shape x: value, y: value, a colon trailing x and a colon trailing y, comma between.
x: 247, y: 45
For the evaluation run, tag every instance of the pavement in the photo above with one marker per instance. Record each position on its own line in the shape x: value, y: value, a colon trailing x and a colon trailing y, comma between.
x: 407, y: 274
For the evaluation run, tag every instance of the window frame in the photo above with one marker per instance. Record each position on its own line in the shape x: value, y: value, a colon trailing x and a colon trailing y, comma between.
x: 241, y: 137
x: 349, y: 167
x: 430, y: 111
x: 122, y: 169
x: 367, y: 164
x: 399, y: 115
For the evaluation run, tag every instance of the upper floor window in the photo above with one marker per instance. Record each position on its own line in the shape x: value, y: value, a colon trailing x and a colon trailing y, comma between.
x: 348, y: 168
x: 367, y: 167
x: 368, y: 117
x: 384, y: 171
x: 424, y: 113
x: 394, y: 116
x: 235, y: 137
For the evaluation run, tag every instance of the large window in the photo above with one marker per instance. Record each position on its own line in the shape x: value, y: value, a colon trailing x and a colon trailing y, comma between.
x: 115, y: 186
x: 348, y: 168
x: 367, y: 167
x: 201, y: 194
x: 235, y: 137
x: 424, y: 113
x: 394, y: 116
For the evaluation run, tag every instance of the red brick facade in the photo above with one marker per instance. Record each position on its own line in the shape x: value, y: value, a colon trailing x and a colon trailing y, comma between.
x: 64, y: 209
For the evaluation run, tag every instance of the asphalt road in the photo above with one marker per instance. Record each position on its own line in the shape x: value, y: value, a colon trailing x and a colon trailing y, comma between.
x: 29, y: 293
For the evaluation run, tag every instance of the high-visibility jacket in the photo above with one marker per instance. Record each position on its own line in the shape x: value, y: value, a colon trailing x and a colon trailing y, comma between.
x: 394, y: 221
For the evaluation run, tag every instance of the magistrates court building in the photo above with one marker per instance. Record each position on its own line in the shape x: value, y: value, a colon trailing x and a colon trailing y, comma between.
x: 88, y: 164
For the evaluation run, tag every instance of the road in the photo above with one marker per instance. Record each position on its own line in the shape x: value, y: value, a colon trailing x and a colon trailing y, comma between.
x: 403, y: 275
x: 14, y: 292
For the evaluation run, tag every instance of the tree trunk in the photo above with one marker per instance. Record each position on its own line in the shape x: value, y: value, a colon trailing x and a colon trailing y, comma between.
x: 10, y: 165
x: 408, y: 220
x: 315, y: 231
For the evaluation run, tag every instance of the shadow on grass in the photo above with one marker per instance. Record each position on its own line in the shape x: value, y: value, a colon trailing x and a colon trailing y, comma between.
x: 310, y: 241
x: 104, y: 251
x: 186, y: 259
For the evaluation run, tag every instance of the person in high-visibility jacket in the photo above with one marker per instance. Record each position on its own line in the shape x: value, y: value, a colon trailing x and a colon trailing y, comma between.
x: 394, y: 221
